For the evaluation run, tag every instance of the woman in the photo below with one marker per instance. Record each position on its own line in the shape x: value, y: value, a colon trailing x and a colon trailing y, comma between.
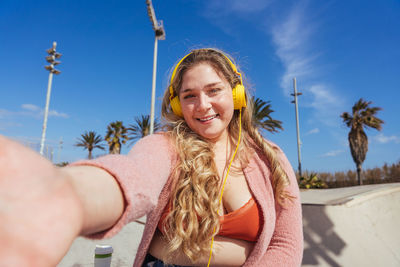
x: 176, y: 178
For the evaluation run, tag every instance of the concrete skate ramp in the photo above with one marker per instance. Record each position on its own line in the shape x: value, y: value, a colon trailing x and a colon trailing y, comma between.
x: 354, y: 226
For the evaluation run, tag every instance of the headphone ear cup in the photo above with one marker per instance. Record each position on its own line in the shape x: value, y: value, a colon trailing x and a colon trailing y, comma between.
x: 239, y: 97
x: 176, y: 106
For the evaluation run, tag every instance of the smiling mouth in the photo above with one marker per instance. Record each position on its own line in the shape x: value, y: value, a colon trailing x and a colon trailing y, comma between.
x: 207, y: 118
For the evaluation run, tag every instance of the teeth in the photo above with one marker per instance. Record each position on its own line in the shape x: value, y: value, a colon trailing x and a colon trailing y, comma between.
x: 207, y: 119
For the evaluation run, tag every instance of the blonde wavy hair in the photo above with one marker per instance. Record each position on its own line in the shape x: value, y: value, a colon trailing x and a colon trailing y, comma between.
x: 196, y: 187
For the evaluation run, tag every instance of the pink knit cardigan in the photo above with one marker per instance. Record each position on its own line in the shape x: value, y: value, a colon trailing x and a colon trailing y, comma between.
x: 143, y: 176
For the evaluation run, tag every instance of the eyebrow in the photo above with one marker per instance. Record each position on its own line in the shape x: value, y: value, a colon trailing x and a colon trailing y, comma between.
x: 207, y: 86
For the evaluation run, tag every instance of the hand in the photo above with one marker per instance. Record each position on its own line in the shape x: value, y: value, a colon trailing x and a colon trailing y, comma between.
x: 40, y: 212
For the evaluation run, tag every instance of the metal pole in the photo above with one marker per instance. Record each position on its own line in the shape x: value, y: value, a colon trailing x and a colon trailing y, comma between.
x: 159, y: 35
x: 46, y: 112
x: 51, y: 58
x: 153, y: 89
x: 59, y: 150
x: 297, y: 124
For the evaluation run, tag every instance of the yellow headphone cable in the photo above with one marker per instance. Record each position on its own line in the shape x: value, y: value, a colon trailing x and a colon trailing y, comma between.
x: 226, y: 177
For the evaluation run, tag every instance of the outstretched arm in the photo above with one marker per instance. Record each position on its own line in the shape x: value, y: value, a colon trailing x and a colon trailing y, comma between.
x: 44, y: 208
x: 99, y: 194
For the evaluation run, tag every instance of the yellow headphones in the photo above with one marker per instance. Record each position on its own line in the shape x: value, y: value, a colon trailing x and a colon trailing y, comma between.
x: 239, y: 98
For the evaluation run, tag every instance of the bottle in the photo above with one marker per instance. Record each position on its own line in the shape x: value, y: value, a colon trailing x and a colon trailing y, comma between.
x: 102, y: 255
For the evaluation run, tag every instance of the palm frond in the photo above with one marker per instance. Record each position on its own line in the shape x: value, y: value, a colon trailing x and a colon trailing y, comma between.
x: 262, y: 116
x: 141, y: 127
x: 116, y: 134
x: 90, y: 140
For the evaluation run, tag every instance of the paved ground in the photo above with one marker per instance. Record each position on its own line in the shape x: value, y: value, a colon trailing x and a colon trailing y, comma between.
x: 125, y: 243
x: 354, y: 226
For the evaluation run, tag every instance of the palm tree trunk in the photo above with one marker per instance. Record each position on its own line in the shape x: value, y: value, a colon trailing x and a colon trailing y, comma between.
x: 359, y: 174
x: 90, y: 154
x: 118, y: 150
x: 115, y: 148
x: 112, y: 148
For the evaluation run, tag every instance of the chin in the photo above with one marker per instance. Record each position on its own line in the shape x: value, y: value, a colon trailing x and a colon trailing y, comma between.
x: 212, y: 136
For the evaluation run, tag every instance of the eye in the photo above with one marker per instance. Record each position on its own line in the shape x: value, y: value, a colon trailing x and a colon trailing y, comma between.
x: 214, y: 91
x: 188, y: 96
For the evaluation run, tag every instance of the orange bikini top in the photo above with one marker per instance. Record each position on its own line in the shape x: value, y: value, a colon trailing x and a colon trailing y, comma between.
x: 243, y: 223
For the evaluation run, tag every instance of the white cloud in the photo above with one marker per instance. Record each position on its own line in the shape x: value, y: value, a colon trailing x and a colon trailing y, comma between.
x: 54, y: 113
x: 322, y: 96
x: 36, y: 111
x: 225, y: 7
x: 224, y: 13
x: 313, y: 131
x: 35, y: 140
x: 292, y: 37
x: 326, y: 104
x: 6, y: 125
x: 31, y: 110
x: 332, y: 153
x: 30, y: 107
x: 382, y: 139
x: 4, y: 113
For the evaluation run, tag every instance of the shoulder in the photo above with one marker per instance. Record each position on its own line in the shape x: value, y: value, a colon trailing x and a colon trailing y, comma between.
x: 159, y: 141
x: 156, y: 137
x: 273, y: 145
x: 260, y: 152
x: 280, y: 155
x: 283, y: 160
x: 155, y: 145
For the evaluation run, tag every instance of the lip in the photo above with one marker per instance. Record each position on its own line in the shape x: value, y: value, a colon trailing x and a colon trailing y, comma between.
x: 207, y: 119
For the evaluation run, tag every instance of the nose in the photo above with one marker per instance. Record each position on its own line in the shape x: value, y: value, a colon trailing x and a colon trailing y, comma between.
x: 203, y: 103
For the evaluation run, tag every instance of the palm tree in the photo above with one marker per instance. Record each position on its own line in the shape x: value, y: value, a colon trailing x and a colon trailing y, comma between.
x: 141, y: 127
x: 262, y: 118
x: 116, y: 134
x: 90, y: 140
x: 363, y: 116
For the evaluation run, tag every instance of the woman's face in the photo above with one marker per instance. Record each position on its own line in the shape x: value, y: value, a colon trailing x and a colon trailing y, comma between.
x: 206, y: 102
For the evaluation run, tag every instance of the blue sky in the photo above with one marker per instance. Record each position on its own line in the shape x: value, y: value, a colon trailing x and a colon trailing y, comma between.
x: 339, y: 51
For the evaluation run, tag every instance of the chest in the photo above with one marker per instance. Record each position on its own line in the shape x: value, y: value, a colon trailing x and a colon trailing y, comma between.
x: 236, y: 192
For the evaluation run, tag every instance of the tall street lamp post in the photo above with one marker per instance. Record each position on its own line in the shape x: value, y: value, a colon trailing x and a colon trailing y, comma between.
x: 295, y: 94
x: 159, y: 31
x: 51, y: 58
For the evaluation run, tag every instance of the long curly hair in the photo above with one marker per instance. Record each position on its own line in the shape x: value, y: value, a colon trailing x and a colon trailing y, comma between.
x: 195, y: 195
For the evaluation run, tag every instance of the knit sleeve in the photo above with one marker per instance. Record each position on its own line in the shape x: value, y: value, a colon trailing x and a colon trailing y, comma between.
x: 286, y: 245
x: 141, y: 176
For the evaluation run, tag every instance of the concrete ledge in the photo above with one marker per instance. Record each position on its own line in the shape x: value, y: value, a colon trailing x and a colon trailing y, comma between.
x: 355, y: 226
x: 339, y: 196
